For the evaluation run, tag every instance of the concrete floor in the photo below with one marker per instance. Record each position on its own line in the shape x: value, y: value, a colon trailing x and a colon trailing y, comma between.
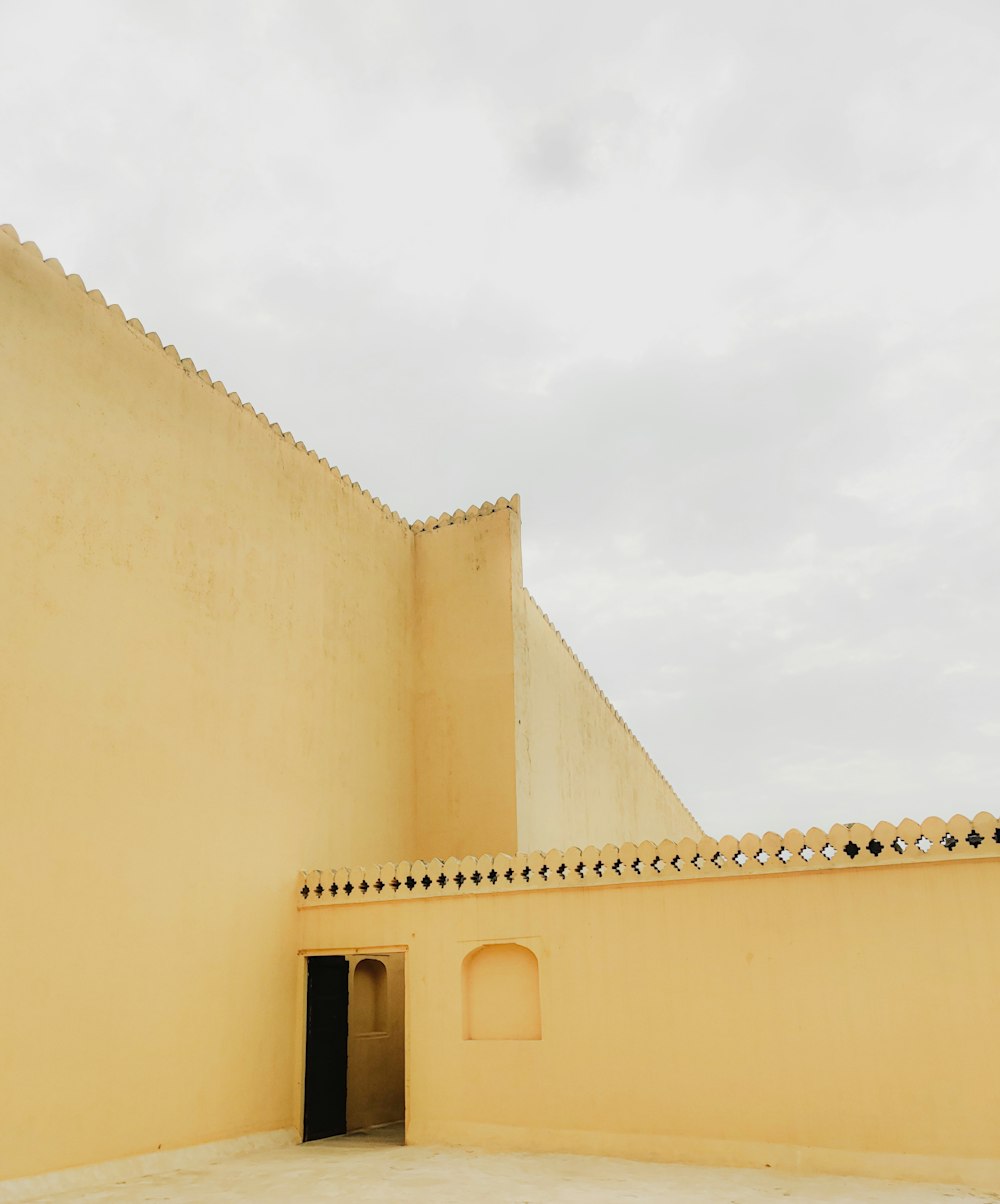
x: 375, y: 1166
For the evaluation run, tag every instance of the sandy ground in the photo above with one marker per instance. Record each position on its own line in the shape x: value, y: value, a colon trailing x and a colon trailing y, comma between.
x: 376, y: 1166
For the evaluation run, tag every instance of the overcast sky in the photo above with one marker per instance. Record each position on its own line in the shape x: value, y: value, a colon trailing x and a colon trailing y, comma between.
x: 714, y: 286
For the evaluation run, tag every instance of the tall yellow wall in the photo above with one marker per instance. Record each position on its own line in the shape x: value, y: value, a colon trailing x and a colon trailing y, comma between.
x: 222, y: 662
x: 206, y: 643
x: 581, y: 774
x: 465, y: 750
x: 836, y: 1021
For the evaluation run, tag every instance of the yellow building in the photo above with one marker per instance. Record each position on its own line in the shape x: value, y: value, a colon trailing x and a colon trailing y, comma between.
x: 224, y: 662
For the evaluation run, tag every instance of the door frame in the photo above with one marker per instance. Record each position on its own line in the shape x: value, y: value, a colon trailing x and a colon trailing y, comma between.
x: 301, y: 987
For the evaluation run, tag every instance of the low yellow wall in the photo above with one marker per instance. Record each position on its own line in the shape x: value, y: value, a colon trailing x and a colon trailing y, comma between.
x: 581, y: 774
x: 829, y: 1020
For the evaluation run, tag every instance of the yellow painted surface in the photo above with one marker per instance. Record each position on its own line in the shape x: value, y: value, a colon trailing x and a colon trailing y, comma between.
x: 837, y: 1020
x: 206, y: 643
x: 582, y: 777
x: 500, y: 994
x: 221, y: 662
x: 465, y: 748
x: 375, y: 1069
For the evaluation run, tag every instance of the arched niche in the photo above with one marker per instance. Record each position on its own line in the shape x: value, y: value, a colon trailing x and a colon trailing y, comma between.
x: 500, y: 997
x: 369, y: 998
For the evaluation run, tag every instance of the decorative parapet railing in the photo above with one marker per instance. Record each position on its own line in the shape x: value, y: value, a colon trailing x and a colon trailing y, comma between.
x: 815, y: 851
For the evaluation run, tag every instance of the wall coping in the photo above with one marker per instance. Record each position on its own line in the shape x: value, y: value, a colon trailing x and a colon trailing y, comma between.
x: 463, y: 516
x: 844, y: 846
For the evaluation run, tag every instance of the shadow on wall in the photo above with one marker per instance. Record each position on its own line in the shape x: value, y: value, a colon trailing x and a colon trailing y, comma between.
x: 500, y: 996
x: 375, y: 1043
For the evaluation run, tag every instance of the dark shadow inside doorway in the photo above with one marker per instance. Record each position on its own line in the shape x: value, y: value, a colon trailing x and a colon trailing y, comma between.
x: 325, y: 1111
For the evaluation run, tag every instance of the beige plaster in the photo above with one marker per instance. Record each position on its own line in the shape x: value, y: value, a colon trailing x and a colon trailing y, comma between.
x: 464, y: 735
x: 223, y: 662
x: 206, y: 642
x: 832, y: 1021
x: 582, y: 776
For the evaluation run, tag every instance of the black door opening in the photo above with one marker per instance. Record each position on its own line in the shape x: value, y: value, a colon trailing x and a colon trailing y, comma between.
x: 325, y: 1113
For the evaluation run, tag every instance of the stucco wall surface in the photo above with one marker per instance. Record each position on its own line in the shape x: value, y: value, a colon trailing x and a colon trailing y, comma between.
x: 465, y: 748
x: 206, y: 639
x: 222, y: 662
x: 582, y: 776
x: 837, y: 1021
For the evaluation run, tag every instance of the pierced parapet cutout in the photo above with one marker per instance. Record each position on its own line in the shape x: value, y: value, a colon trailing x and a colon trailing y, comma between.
x: 849, y: 845
x: 369, y: 995
x: 500, y: 995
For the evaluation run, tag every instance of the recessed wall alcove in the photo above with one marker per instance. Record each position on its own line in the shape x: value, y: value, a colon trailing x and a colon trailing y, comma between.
x: 369, y: 998
x: 500, y: 995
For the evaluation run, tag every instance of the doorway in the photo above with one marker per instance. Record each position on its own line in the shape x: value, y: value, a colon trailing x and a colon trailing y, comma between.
x: 355, y: 1043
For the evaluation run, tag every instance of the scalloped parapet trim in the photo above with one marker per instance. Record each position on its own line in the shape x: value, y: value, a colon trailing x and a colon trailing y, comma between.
x: 607, y: 702
x: 704, y: 860
x: 464, y: 516
x: 188, y: 366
